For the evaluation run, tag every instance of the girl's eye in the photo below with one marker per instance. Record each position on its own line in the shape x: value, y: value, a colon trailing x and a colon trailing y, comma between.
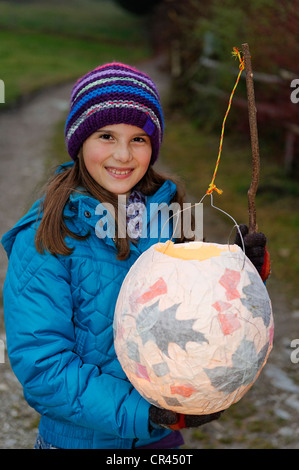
x: 138, y: 139
x: 105, y: 136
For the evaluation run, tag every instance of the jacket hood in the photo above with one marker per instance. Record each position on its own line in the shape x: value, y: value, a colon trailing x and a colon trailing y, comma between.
x: 32, y: 215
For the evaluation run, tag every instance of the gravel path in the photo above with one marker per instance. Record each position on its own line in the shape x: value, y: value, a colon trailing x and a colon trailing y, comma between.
x: 25, y: 134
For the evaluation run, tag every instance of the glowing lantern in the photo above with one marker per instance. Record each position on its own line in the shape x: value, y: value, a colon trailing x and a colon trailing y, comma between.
x: 193, y: 326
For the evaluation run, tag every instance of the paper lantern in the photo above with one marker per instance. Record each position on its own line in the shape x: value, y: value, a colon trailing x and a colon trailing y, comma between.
x: 193, y: 326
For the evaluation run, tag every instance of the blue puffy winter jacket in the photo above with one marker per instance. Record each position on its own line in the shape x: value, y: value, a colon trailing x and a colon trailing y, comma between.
x: 58, y: 317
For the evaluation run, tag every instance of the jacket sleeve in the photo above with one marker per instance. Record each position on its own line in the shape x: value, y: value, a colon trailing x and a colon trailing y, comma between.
x: 41, y: 340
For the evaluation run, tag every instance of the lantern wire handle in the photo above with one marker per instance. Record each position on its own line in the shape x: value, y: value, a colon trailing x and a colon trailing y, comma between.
x: 176, y: 214
x: 236, y: 225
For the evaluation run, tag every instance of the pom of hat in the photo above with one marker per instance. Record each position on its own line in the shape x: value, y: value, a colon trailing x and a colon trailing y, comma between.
x: 114, y: 94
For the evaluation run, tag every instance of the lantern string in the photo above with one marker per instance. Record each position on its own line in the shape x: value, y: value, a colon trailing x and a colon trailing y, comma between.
x: 212, y: 186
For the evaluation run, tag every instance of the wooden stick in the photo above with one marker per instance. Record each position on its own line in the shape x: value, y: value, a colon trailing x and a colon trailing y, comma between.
x: 254, y: 140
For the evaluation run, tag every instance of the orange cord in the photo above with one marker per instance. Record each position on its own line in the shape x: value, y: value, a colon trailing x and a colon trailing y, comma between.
x: 212, y: 186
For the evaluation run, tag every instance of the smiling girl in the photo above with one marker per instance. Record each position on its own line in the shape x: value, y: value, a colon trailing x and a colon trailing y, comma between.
x: 63, y: 280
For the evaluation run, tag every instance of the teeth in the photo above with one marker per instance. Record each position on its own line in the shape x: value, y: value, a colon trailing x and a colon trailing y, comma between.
x: 118, y: 172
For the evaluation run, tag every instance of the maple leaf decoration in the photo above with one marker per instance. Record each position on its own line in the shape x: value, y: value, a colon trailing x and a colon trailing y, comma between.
x: 255, y: 300
x: 163, y: 328
x: 246, y: 364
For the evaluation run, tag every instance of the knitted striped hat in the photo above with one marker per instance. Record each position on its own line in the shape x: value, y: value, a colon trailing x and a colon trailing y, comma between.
x: 113, y: 94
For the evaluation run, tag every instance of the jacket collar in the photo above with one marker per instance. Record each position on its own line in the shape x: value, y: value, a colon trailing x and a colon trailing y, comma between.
x: 96, y: 216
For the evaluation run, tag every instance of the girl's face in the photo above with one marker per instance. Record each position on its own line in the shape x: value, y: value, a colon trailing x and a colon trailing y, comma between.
x: 117, y: 156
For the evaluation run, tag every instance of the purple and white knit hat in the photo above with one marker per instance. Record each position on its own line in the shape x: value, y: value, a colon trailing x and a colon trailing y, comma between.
x: 113, y: 94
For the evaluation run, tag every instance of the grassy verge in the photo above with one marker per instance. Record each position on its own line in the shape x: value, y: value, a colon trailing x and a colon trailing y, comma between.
x: 46, y: 43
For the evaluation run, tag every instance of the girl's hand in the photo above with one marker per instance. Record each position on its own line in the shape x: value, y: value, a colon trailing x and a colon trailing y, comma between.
x: 169, y: 419
x: 255, y: 250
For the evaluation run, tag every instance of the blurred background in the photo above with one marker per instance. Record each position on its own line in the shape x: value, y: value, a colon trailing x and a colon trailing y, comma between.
x: 187, y: 48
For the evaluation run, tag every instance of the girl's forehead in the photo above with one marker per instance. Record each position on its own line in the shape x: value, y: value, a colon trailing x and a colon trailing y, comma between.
x: 123, y: 129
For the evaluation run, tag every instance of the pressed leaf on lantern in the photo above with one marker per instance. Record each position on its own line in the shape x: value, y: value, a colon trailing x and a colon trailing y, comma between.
x: 163, y: 328
x: 246, y: 364
x: 259, y: 305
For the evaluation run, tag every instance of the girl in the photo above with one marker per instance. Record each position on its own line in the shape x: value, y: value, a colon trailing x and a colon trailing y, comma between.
x: 66, y: 269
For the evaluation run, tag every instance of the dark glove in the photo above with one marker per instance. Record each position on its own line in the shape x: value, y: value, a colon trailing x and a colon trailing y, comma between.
x: 161, y: 417
x: 255, y: 250
x: 175, y: 421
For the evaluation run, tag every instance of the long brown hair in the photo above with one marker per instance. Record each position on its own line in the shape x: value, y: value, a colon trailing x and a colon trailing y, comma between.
x: 52, y: 230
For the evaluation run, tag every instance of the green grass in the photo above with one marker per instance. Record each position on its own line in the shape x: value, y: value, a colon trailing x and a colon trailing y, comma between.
x: 42, y: 44
x: 87, y: 19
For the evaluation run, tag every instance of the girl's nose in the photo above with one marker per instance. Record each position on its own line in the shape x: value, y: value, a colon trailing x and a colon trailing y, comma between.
x: 122, y: 153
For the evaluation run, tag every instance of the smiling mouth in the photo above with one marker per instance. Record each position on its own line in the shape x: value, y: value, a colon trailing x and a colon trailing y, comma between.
x: 116, y: 172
